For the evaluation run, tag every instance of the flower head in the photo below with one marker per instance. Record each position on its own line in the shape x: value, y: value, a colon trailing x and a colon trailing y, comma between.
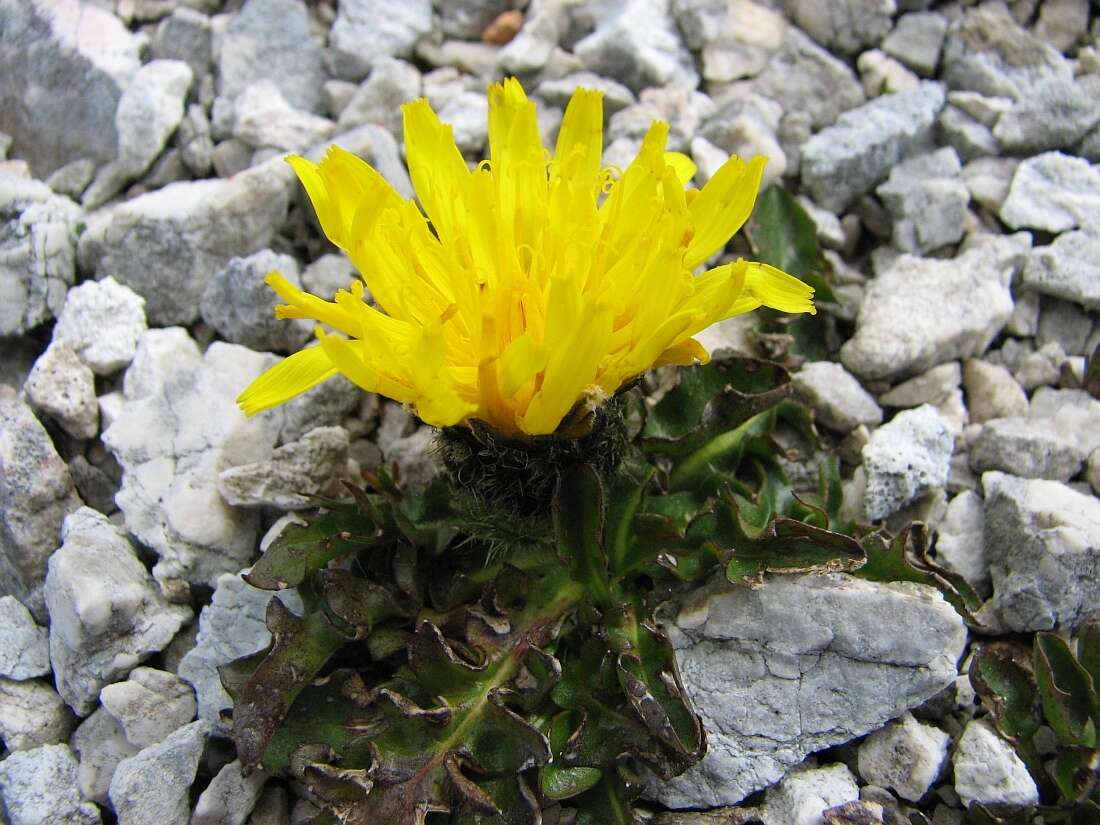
x: 518, y: 288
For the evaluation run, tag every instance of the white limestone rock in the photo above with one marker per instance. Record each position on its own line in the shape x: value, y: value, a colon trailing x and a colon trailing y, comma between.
x: 638, y: 44
x: 734, y: 39
x: 271, y: 40
x: 932, y: 386
x: 905, y: 458
x: 960, y: 544
x: 838, y: 399
x: 368, y: 30
x: 36, y: 493
x: 987, y: 770
x: 165, y: 245
x: 806, y: 793
x: 902, y: 328
x: 39, y: 788
x: 100, y: 744
x: 37, y: 253
x: 73, y: 59
x: 1053, y: 192
x: 991, y: 391
x: 264, y: 118
x: 295, y: 474
x: 927, y: 198
x: 173, y: 443
x: 797, y: 666
x: 1057, y: 114
x: 149, y: 705
x: 378, y: 99
x: 230, y: 796
x: 847, y: 26
x: 1067, y: 268
x: 987, y: 51
x: 154, y: 785
x: 1027, y: 448
x: 851, y: 157
x: 917, y: 40
x: 803, y: 77
x: 1042, y: 540
x: 106, y: 613
x: 149, y: 111
x: 24, y: 646
x: 62, y: 387
x: 32, y: 714
x: 102, y: 321
x: 239, y: 304
x: 906, y: 756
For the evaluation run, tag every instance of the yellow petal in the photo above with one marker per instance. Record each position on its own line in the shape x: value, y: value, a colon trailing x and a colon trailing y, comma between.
x: 685, y: 167
x: 723, y: 206
x: 436, y: 167
x: 580, y: 139
x: 290, y: 377
x: 778, y: 290
x: 683, y: 354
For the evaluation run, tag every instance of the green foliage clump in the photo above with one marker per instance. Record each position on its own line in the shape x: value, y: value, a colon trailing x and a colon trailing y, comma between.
x: 1055, y: 685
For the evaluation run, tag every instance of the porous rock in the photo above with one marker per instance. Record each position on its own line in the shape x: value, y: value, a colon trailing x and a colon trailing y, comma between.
x: 799, y: 665
x: 62, y: 387
x: 102, y: 321
x: 806, y: 793
x: 1042, y: 540
x: 166, y: 244
x: 39, y: 788
x: 173, y: 441
x: 100, y: 744
x: 905, y: 458
x: 905, y: 756
x: 106, y: 612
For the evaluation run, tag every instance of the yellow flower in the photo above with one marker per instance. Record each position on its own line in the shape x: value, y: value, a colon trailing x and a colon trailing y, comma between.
x: 532, y: 283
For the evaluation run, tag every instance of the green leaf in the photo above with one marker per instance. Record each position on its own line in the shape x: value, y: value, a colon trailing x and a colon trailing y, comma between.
x: 1065, y: 688
x: 579, y: 529
x: 356, y: 601
x: 651, y: 682
x: 905, y: 559
x: 1074, y: 771
x: 300, y: 551
x: 788, y: 546
x: 608, y: 803
x: 1088, y: 650
x: 1000, y: 673
x: 300, y: 647
x: 562, y: 783
x: 784, y: 235
x: 625, y: 499
x: 711, y: 398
